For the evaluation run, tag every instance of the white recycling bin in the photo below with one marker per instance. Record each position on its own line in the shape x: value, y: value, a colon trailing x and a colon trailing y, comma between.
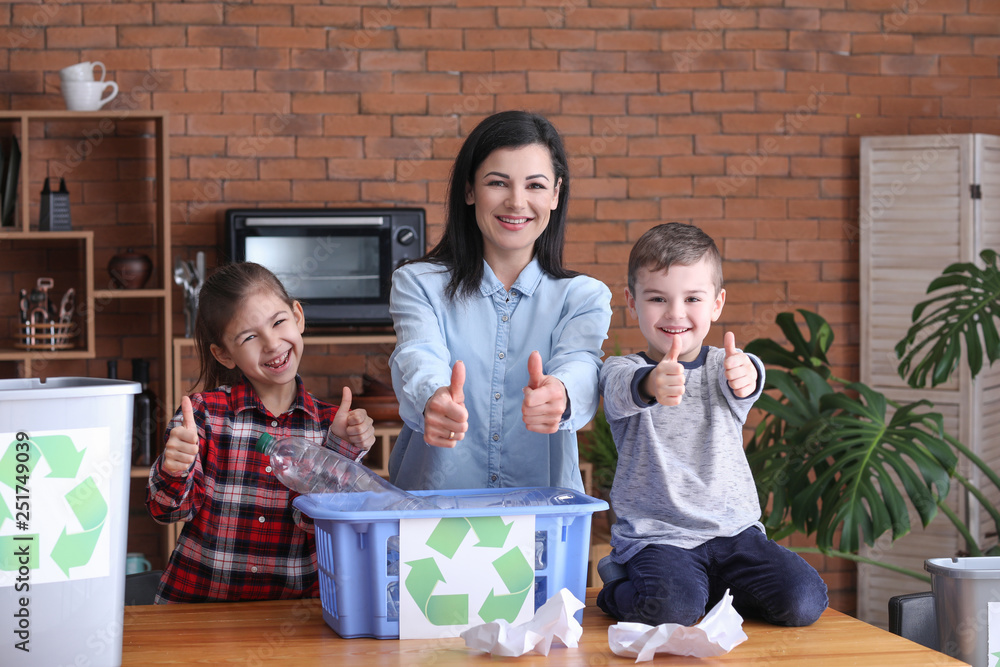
x: 65, y: 454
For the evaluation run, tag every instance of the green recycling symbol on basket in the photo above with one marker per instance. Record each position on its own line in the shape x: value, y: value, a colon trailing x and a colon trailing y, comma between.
x: 447, y: 536
x: 36, y: 501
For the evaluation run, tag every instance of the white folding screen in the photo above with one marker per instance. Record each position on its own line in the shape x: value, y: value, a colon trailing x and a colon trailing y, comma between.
x: 926, y: 202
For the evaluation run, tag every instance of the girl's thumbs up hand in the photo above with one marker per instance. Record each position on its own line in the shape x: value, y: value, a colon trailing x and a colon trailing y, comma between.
x: 181, y: 449
x: 666, y: 382
x: 355, y: 426
x: 741, y: 374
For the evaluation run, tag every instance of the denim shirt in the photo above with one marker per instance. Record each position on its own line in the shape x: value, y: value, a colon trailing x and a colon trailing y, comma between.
x: 493, y: 332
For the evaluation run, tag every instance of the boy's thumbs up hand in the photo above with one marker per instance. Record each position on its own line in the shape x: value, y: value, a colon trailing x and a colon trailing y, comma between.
x: 355, y: 426
x: 544, y: 398
x: 445, y: 417
x: 666, y: 382
x: 741, y: 374
x: 182, y: 445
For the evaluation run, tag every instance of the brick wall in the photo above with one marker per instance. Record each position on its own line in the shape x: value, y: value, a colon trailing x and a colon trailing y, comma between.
x: 742, y: 116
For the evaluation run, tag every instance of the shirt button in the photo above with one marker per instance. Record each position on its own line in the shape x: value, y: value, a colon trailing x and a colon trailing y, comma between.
x: 504, y: 318
x: 261, y: 519
x: 493, y: 478
x: 274, y: 423
x: 267, y: 469
x: 513, y: 292
x: 497, y: 395
x: 502, y: 355
x: 253, y: 569
x: 496, y: 437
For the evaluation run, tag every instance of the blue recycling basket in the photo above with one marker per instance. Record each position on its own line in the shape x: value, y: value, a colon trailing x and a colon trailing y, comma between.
x: 358, y: 551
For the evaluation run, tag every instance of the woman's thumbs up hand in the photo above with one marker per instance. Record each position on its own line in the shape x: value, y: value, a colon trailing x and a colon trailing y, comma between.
x: 445, y: 417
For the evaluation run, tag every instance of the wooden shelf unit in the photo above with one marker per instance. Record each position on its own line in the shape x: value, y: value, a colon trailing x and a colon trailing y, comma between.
x: 65, y: 140
x: 14, y: 243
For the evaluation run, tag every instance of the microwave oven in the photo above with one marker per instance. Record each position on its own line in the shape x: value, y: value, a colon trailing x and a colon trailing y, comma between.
x: 337, y: 262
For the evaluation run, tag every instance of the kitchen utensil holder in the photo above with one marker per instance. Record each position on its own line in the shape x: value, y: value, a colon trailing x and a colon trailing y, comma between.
x: 47, y: 336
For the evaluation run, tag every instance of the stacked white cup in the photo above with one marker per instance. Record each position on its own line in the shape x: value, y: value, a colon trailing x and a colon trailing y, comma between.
x: 81, y: 90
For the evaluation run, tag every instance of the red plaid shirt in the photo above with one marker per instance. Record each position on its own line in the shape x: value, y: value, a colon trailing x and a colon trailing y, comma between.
x: 242, y: 539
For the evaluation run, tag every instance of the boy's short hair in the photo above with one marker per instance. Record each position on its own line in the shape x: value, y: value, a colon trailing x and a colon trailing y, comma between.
x: 673, y: 243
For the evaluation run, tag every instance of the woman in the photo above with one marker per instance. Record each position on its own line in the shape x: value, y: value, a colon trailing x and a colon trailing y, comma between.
x: 498, y: 345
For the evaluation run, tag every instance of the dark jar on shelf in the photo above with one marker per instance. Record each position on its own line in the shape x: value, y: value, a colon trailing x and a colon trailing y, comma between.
x: 143, y: 416
x: 130, y: 270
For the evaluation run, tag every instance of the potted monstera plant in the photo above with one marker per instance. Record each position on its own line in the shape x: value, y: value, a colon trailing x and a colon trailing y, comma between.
x: 598, y: 447
x: 828, y: 452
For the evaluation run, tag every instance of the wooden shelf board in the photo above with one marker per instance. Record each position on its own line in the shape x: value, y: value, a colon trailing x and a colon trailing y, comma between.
x: 11, y: 354
x: 66, y: 114
x: 72, y: 235
x: 329, y: 339
x: 129, y: 293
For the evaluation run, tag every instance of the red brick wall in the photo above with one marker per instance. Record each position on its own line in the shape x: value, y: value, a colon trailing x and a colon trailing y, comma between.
x: 742, y: 116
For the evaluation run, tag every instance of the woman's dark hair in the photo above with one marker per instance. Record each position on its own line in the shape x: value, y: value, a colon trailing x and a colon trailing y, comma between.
x: 461, y: 246
x: 218, y: 300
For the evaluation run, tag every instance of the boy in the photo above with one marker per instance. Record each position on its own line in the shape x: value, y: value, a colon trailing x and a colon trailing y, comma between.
x: 688, y: 516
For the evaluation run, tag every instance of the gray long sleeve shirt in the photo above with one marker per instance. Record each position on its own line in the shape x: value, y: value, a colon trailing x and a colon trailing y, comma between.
x: 682, y: 476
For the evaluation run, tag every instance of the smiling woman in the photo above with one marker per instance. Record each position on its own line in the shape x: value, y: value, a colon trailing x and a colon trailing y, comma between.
x: 498, y: 345
x: 514, y: 192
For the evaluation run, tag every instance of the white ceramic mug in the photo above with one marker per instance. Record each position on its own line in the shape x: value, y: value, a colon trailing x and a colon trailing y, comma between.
x: 82, y: 72
x: 136, y: 562
x: 87, y: 95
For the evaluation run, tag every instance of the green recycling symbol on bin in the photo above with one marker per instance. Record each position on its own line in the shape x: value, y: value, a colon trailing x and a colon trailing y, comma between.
x: 85, y: 500
x: 512, y: 567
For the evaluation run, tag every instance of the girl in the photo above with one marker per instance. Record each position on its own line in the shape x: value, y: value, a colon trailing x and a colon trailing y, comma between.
x: 242, y: 539
x: 493, y: 303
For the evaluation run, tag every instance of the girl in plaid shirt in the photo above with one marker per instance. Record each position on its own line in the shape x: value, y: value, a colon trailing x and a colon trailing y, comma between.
x: 242, y: 539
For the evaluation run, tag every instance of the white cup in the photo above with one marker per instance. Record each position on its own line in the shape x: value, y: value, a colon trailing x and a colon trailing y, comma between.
x: 87, y: 95
x: 136, y: 562
x: 82, y: 72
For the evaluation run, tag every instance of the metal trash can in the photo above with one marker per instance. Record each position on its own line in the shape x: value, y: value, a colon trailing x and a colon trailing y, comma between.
x: 962, y: 588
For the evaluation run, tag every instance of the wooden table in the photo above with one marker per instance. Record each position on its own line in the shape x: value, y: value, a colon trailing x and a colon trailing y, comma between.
x: 293, y: 632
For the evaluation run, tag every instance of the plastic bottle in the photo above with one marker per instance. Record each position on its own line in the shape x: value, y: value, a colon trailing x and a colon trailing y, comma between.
x: 143, y: 422
x: 526, y: 497
x: 304, y: 467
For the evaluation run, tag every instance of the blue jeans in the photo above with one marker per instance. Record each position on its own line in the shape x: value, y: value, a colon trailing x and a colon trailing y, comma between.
x: 668, y: 584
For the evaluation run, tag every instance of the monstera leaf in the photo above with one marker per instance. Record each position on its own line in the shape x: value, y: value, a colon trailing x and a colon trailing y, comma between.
x: 828, y: 454
x: 598, y: 446
x: 967, y: 310
x: 793, y: 408
x: 852, y: 473
x: 805, y: 352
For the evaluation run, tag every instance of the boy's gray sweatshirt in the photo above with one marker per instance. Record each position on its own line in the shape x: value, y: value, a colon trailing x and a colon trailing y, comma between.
x: 682, y: 476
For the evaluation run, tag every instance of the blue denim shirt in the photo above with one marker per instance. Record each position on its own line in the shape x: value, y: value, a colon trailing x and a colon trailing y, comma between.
x: 493, y: 332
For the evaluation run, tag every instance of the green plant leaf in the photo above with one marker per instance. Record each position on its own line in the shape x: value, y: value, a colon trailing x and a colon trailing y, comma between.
x: 835, y: 458
x: 964, y: 310
x: 810, y: 353
x: 598, y: 446
x: 854, y: 465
